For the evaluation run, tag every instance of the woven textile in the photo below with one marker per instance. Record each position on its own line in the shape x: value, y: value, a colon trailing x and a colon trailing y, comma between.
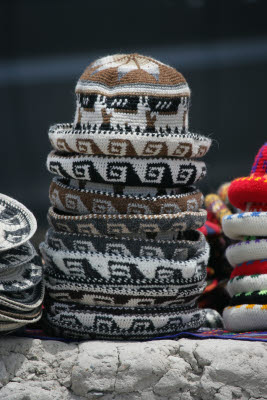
x: 16, y: 256
x: 22, y: 277
x: 17, y: 223
x: 66, y: 138
x: 186, y: 246
x: 108, y: 268
x: 81, y: 201
x: 238, y: 226
x: 135, y: 323
x: 249, y: 193
x: 248, y: 250
x: 245, y: 317
x: 247, y: 283
x: 165, y: 172
x: 24, y: 300
x: 104, y: 224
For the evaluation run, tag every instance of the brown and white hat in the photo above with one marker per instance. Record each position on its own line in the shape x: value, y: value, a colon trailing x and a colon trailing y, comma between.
x: 130, y: 105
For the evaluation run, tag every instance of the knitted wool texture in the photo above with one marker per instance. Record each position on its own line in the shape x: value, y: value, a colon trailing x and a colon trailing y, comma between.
x: 130, y: 105
x: 17, y: 223
x: 245, y: 317
x: 92, y: 267
x: 250, y: 193
x: 249, y: 250
x: 81, y: 201
x: 16, y: 256
x: 250, y: 268
x: 164, y: 172
x: 187, y: 246
x: 214, y: 204
x: 238, y: 226
x: 135, y: 323
x: 247, y: 283
x: 67, y: 138
x: 105, y: 224
x: 252, y: 297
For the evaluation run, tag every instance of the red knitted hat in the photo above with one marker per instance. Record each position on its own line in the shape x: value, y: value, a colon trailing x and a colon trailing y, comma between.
x: 250, y: 193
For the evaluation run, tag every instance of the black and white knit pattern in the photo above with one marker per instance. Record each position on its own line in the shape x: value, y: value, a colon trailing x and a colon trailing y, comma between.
x: 188, y: 245
x: 68, y: 138
x: 17, y: 223
x: 16, y: 256
x: 135, y: 323
x: 104, y: 224
x: 108, y: 268
x: 166, y: 172
x: 24, y: 300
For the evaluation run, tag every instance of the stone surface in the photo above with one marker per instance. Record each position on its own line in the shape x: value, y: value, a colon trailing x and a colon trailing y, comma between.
x: 31, y: 369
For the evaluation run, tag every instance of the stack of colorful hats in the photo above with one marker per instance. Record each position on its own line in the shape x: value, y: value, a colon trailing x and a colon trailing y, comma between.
x: 248, y: 283
x: 21, y: 284
x: 123, y: 258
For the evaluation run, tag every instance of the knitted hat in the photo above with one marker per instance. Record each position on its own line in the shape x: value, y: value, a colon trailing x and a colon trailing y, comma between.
x: 130, y: 105
x: 250, y: 193
x: 17, y: 223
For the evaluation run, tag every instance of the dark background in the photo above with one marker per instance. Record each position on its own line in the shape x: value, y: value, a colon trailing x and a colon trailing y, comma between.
x: 219, y: 45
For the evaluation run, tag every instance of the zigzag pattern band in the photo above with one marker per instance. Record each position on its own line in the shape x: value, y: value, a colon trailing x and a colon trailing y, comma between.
x: 246, y: 283
x: 251, y: 297
x: 87, y: 322
x: 66, y: 138
x: 82, y: 201
x: 103, y: 224
x: 165, y: 172
x: 112, y: 269
x: 238, y: 226
x: 186, y: 246
x: 245, y: 317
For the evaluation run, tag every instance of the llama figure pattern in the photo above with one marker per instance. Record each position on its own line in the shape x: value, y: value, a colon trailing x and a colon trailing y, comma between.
x: 132, y: 113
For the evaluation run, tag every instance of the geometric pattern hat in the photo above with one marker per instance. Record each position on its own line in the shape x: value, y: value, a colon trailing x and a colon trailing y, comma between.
x: 125, y: 100
x: 250, y: 193
x: 17, y: 223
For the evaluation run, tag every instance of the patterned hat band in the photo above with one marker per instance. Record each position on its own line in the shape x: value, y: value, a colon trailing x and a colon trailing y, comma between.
x: 187, y: 246
x: 215, y: 205
x: 25, y: 300
x: 120, y: 295
x: 16, y: 256
x: 119, y: 189
x: 238, y: 226
x: 247, y: 283
x: 247, y: 251
x: 22, y: 277
x: 82, y: 201
x: 251, y: 297
x: 66, y: 138
x: 80, y: 321
x: 22, y: 318
x: 111, y: 269
x: 245, y: 317
x: 17, y: 223
x: 113, y: 224
x: 167, y: 172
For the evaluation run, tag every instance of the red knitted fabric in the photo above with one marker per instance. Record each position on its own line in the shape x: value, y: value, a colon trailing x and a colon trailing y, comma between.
x: 250, y: 193
x: 250, y: 268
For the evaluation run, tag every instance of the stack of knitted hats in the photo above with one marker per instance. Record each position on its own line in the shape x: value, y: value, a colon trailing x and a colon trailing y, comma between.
x: 248, y: 283
x: 123, y: 257
x: 21, y: 285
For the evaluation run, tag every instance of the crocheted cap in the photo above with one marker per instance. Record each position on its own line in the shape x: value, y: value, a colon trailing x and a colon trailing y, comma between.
x: 133, y: 91
x: 250, y: 193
